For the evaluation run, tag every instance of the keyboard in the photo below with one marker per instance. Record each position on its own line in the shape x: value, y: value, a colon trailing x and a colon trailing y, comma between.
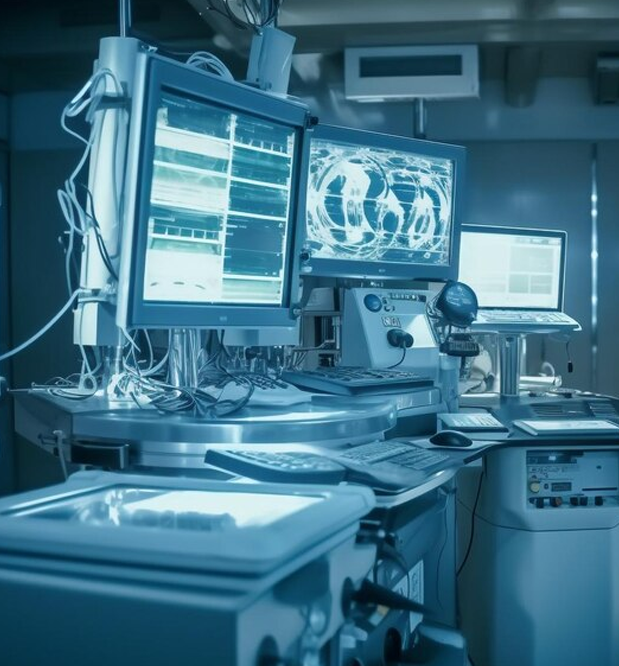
x: 348, y: 380
x: 472, y: 422
x: 527, y: 318
x: 392, y: 451
x: 567, y: 427
x: 388, y: 467
x: 267, y: 391
x: 277, y: 467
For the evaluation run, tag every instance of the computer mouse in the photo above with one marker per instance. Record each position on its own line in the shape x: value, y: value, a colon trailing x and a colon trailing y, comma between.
x: 451, y: 438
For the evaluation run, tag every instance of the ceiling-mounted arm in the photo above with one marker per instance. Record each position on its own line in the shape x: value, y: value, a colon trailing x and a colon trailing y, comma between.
x: 124, y: 17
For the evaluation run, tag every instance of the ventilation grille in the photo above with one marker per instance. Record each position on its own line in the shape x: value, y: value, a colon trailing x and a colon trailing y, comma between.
x: 603, y: 409
x: 560, y: 410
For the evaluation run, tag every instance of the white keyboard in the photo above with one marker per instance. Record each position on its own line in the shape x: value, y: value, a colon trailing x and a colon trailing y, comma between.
x: 567, y: 426
x: 524, y: 318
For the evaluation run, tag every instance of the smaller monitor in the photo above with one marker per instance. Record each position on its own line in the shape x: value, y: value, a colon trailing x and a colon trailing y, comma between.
x: 512, y: 268
x: 381, y: 206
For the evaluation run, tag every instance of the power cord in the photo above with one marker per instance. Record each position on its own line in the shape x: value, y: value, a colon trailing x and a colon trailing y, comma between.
x: 42, y: 331
x: 472, y: 535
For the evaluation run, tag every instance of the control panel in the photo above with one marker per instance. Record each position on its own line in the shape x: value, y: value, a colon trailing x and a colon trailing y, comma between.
x: 570, y: 479
x: 388, y: 327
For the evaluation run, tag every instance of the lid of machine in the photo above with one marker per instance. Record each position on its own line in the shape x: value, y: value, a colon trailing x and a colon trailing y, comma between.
x: 184, y: 523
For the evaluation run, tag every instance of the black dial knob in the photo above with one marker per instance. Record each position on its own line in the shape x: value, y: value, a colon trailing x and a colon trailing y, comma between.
x: 397, y: 337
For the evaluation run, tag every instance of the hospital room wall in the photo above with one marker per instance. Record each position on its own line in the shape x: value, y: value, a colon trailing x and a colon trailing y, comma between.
x: 41, y: 157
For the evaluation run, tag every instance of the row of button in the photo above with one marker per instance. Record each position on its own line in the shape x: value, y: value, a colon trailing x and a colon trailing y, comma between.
x: 541, y: 502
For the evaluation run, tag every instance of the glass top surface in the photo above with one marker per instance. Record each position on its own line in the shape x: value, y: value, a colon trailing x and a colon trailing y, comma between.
x: 170, y: 509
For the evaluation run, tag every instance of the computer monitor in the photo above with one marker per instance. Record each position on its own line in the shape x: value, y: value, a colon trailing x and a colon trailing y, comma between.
x: 215, y: 183
x: 512, y: 268
x: 381, y: 206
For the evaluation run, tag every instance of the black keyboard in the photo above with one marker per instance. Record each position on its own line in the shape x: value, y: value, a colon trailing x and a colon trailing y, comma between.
x: 348, y: 380
x: 388, y: 466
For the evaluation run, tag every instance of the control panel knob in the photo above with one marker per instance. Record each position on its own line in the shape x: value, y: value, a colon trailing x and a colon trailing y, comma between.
x: 397, y: 337
x: 539, y: 502
x: 556, y: 501
x: 372, y: 302
x: 599, y: 501
x: 535, y: 486
x: 574, y: 501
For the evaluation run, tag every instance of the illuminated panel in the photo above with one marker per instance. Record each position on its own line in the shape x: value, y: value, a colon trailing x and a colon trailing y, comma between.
x: 219, y: 206
x: 513, y: 268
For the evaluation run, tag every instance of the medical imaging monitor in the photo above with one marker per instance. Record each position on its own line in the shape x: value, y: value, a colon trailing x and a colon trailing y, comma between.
x: 215, y: 183
x: 381, y: 206
x: 513, y: 268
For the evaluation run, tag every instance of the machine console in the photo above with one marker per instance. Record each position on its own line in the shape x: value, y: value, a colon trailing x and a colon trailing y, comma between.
x: 572, y: 478
x: 388, y: 327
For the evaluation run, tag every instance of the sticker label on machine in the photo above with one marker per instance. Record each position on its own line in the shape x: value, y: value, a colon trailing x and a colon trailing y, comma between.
x: 411, y: 586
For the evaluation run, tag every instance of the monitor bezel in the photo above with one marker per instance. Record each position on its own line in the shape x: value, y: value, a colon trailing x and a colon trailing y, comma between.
x: 154, y: 75
x: 526, y: 231
x: 387, y: 270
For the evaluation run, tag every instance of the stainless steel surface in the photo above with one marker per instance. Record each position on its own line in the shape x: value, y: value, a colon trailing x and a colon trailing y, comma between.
x: 180, y: 441
x: 183, y: 361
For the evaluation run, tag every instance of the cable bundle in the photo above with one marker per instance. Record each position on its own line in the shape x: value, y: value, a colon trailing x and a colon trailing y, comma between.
x: 252, y: 14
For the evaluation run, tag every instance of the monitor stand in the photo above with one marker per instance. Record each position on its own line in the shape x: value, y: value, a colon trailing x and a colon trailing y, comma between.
x: 185, y: 346
x: 510, y: 351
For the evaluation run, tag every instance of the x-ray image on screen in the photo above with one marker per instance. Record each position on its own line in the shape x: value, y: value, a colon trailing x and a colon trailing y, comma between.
x: 219, y: 206
x: 374, y: 204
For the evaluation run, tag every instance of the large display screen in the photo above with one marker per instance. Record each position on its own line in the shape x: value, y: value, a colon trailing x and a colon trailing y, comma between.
x: 513, y: 268
x: 219, y: 206
x: 215, y: 188
x: 381, y: 206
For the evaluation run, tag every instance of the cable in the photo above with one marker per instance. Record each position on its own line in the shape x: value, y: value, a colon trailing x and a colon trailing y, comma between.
x: 472, y: 535
x: 440, y: 553
x: 210, y: 62
x: 43, y: 330
x: 395, y: 365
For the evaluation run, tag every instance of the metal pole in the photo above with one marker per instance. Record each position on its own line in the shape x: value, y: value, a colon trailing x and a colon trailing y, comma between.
x: 594, y: 269
x: 185, y: 345
x: 510, y: 349
x: 420, y: 118
x: 124, y: 18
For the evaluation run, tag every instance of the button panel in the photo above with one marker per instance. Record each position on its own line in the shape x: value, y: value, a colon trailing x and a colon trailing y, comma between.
x: 572, y: 479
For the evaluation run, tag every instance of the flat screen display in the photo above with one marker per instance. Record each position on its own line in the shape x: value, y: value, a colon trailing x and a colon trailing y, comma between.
x: 220, y: 202
x: 381, y: 206
x: 215, y: 190
x: 513, y: 268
